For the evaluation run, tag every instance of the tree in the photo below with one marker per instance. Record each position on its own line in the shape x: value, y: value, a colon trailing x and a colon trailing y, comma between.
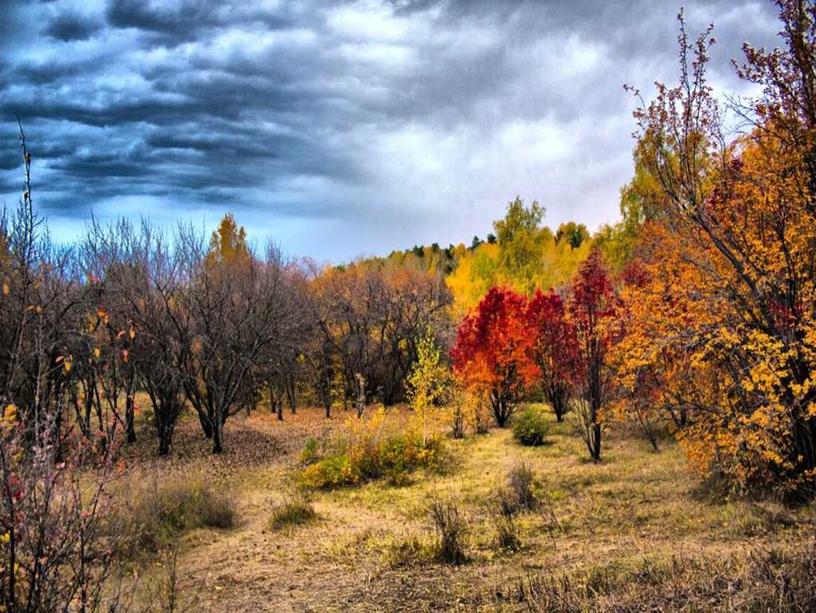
x: 428, y: 381
x: 592, y: 311
x: 154, y: 295
x: 228, y: 244
x: 574, y: 234
x: 553, y: 350
x: 492, y: 351
x: 742, y: 216
x: 239, y: 307
x: 520, y: 240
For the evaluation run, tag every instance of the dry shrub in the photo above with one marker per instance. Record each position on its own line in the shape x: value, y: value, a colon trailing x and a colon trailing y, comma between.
x: 163, y: 593
x: 450, y: 526
x: 155, y: 513
x: 516, y: 497
x: 507, y: 533
x: 293, y: 511
x: 520, y: 493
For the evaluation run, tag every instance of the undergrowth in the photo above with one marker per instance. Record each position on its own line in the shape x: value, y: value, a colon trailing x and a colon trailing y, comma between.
x: 369, y: 450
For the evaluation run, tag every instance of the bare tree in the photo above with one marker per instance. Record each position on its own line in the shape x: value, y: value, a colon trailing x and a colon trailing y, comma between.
x: 372, y: 320
x: 241, y: 311
x: 55, y: 555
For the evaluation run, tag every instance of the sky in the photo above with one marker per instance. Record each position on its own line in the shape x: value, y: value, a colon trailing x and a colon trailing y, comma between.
x: 339, y: 129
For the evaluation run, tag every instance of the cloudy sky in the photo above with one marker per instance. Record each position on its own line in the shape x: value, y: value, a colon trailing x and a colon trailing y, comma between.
x: 338, y: 129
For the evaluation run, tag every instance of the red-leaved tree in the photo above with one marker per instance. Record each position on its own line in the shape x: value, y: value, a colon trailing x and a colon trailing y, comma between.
x: 492, y: 351
x: 553, y: 349
x: 593, y: 310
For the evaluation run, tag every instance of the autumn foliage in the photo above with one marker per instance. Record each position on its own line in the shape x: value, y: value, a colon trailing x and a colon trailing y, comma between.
x: 510, y: 346
x: 554, y: 349
x: 723, y: 322
x: 492, y: 351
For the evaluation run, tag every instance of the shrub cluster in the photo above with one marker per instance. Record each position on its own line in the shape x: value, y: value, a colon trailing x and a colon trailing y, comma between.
x: 368, y: 451
x: 530, y: 427
x: 153, y: 515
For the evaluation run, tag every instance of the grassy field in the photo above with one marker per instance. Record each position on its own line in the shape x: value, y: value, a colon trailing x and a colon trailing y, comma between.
x: 632, y: 532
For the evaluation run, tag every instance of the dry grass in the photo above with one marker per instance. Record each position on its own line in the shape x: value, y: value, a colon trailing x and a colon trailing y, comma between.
x: 294, y: 510
x: 599, y: 527
x: 152, y: 509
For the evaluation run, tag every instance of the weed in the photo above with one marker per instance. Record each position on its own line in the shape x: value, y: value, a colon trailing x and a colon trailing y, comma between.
x: 293, y: 511
x: 451, y: 528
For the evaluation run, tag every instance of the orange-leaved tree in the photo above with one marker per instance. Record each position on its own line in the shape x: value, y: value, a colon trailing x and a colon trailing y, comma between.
x: 742, y: 221
x: 492, y: 351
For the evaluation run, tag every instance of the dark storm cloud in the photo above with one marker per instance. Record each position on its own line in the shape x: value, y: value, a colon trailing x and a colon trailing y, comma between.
x: 343, y: 127
x: 69, y: 27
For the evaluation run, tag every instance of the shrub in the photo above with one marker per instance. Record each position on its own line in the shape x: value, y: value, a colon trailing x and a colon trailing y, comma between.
x: 370, y: 451
x: 507, y: 536
x: 451, y: 528
x: 154, y: 515
x: 310, y: 451
x: 530, y: 427
x: 293, y: 511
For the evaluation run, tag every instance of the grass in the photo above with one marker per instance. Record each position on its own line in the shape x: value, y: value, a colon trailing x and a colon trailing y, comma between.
x: 153, y: 511
x: 292, y: 511
x: 633, y: 526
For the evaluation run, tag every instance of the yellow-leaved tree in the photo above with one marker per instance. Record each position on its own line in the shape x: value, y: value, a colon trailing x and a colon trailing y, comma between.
x: 428, y: 381
x: 726, y: 318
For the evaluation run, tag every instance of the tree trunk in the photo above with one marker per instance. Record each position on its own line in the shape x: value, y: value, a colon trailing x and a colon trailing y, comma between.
x: 595, y: 441
x: 206, y: 425
x: 130, y: 410
x: 165, y: 438
x: 558, y: 408
x: 291, y: 394
x: 217, y: 435
x: 325, y: 395
x: 361, y: 394
x: 501, y: 409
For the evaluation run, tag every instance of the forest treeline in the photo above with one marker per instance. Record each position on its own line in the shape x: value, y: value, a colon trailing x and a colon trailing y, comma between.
x: 696, y: 313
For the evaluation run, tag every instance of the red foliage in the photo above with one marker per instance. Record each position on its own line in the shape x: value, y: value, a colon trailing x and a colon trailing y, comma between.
x: 492, y: 351
x: 594, y: 310
x: 553, y: 349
